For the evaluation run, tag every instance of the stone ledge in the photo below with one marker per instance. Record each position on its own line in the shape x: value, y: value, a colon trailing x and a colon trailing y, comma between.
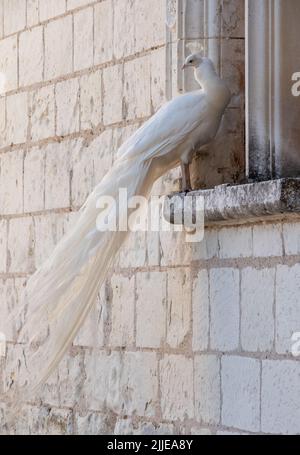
x: 227, y: 204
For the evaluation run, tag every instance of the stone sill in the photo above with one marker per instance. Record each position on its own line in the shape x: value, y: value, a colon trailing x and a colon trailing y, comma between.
x: 236, y: 204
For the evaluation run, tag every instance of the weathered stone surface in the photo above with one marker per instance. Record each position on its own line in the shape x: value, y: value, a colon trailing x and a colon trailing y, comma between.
x: 42, y: 113
x: 14, y: 22
x: 44, y: 421
x: 126, y: 383
x: 147, y: 428
x: 11, y: 182
x: 138, y: 389
x: 176, y: 382
x: 257, y: 309
x: 113, y: 94
x: 158, y: 78
x: 101, y: 148
x: 103, y: 36
x: 129, y: 427
x: 90, y: 161
x: 233, y: 14
x: 231, y: 433
x: 209, y: 248
x: 200, y: 301
x: 20, y: 245
x: 71, y: 379
x: 3, y: 245
x: 58, y: 47
x: 150, y: 28
x: 45, y: 237
x: 137, y: 88
x: 178, y: 307
x: 224, y: 308
x: 267, y: 240
x: 245, y: 202
x: 233, y: 69
x: 151, y: 290
x: 57, y: 175
x: 67, y: 102
x: 133, y: 251
x: 240, y: 392
x: 2, y: 120
x: 280, y: 397
x: 83, y: 39
x: 291, y: 238
x: 71, y: 4
x: 82, y: 166
x: 201, y: 431
x: 102, y: 378
x: 92, y: 423
x: 51, y: 8
x: 9, y: 64
x: 1, y: 17
x: 287, y: 307
x: 32, y: 12
x: 124, y: 25
x: 173, y: 249
x: 91, y: 100
x: 122, y: 302
x: 16, y: 118
x: 235, y: 242
x: 92, y: 333
x: 207, y: 389
x: 31, y: 56
x: 34, y: 180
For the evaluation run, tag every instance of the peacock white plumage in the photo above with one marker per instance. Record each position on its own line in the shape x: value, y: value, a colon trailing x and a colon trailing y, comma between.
x: 61, y: 293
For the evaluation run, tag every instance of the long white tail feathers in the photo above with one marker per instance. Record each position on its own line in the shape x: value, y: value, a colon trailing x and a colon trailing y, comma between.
x: 61, y: 293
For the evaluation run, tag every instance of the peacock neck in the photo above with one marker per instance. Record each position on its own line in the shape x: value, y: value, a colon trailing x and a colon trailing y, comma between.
x: 216, y: 89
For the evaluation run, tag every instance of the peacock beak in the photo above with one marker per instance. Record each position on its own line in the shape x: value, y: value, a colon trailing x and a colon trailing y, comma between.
x: 184, y: 66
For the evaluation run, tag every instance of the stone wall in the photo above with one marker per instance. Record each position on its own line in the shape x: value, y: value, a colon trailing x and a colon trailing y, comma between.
x: 184, y: 338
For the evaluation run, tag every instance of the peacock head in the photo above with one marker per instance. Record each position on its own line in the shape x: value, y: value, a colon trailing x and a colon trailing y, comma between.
x: 193, y: 60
